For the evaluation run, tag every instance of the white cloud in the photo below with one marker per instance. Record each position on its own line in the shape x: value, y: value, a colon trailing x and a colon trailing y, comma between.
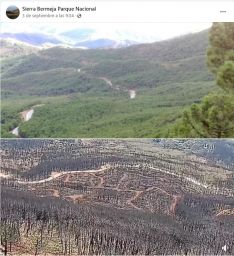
x: 140, y: 32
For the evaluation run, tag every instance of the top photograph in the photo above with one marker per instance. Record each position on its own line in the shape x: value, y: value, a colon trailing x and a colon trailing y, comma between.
x: 109, y: 80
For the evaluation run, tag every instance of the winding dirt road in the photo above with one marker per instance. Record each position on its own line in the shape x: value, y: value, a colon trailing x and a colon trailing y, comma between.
x: 132, y: 93
x: 134, y: 198
x: 55, y: 175
x: 25, y: 115
x: 108, y: 81
x: 175, y: 201
x: 124, y: 177
x: 192, y: 180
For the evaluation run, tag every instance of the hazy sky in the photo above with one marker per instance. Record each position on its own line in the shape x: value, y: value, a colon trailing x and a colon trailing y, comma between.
x: 140, y: 32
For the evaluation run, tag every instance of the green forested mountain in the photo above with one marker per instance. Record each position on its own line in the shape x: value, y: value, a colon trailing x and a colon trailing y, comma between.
x: 159, y: 61
x: 137, y: 91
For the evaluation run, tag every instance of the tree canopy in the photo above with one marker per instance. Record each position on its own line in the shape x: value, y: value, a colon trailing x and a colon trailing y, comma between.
x: 214, y: 116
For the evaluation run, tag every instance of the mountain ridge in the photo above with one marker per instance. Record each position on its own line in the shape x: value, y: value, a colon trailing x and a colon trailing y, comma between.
x: 160, y: 80
x: 44, y: 41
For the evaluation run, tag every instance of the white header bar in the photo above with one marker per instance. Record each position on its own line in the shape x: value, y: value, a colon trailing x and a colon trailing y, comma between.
x: 119, y: 12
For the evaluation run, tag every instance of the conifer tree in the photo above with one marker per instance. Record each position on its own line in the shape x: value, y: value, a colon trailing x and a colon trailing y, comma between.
x: 214, y: 116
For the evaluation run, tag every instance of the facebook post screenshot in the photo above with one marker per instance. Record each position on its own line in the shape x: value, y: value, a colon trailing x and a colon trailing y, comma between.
x: 108, y: 69
x: 117, y: 127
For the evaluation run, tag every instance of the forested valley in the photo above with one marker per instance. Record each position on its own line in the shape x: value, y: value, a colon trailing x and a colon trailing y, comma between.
x: 117, y: 197
x: 136, y: 91
x: 181, y: 87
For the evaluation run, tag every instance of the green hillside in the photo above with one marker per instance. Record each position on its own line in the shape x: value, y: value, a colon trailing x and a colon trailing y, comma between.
x: 86, y: 93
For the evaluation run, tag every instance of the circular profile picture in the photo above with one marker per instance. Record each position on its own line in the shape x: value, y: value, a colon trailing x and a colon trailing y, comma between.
x: 12, y: 12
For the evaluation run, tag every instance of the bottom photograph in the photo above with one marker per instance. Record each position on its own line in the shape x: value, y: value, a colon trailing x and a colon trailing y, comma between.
x: 117, y: 197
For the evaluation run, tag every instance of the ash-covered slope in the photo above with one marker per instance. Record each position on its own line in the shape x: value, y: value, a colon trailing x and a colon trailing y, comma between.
x: 113, y: 197
x: 218, y: 151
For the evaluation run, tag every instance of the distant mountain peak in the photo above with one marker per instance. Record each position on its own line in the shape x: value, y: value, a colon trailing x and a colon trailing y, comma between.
x: 105, y: 43
x: 46, y: 41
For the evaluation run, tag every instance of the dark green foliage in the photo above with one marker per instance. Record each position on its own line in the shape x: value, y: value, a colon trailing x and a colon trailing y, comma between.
x: 112, y: 114
x: 214, y: 117
x: 9, y: 120
x: 52, y: 83
x: 221, y: 45
x: 220, y: 55
x: 225, y: 76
